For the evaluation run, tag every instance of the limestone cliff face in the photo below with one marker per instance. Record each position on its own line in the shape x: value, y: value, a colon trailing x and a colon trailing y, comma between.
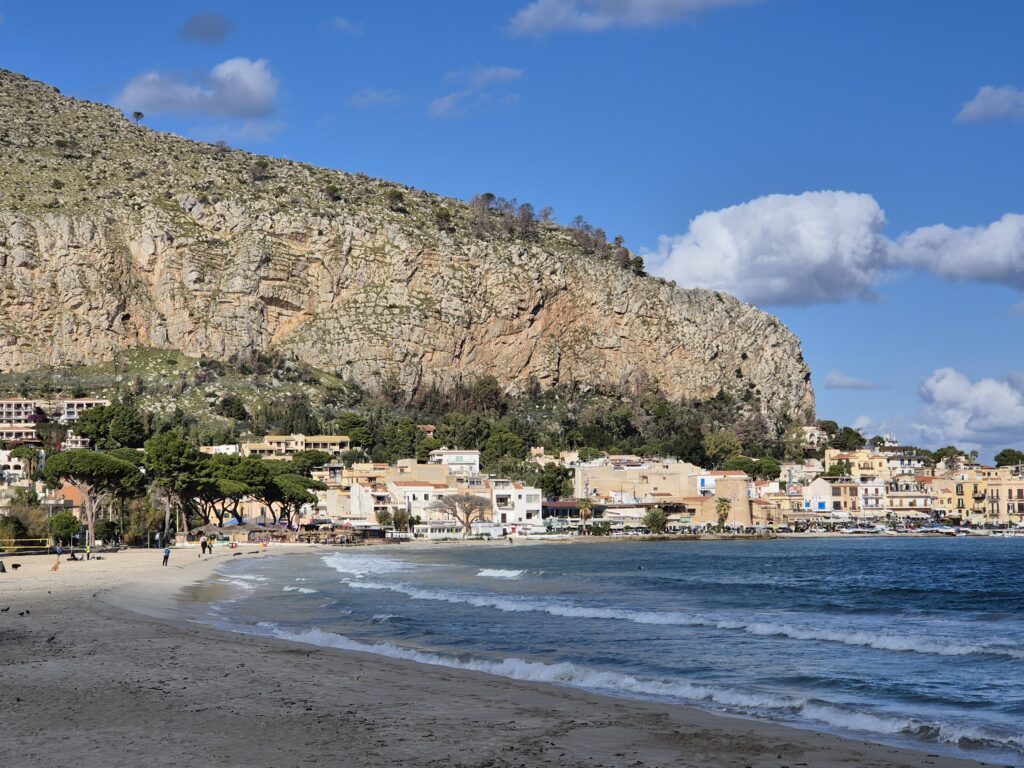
x: 113, y: 236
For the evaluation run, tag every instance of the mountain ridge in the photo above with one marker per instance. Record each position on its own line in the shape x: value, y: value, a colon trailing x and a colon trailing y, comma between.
x: 113, y: 236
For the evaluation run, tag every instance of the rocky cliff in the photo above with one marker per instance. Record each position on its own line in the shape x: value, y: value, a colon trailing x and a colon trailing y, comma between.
x: 114, y: 236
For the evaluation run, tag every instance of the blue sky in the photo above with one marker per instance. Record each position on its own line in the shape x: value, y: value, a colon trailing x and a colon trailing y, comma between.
x: 643, y: 115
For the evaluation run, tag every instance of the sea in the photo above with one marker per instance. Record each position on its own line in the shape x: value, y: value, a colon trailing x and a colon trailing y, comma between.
x: 911, y: 642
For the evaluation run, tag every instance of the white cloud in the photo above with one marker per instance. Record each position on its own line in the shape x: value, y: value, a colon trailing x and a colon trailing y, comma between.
x: 237, y: 87
x: 349, y: 27
x: 839, y: 380
x: 863, y: 424
x: 478, y: 87
x: 543, y: 16
x: 368, y: 98
x: 987, y: 412
x: 993, y: 103
x: 819, y: 247
x: 990, y: 253
x: 782, y: 249
x: 210, y: 28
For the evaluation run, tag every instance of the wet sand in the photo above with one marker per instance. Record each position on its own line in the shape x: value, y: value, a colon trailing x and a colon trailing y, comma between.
x: 103, y: 671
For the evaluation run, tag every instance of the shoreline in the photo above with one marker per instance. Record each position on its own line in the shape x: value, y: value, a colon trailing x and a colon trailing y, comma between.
x: 106, y: 666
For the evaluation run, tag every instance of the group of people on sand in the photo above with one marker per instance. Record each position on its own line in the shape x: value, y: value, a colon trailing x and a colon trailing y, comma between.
x: 87, y: 555
x: 206, y: 545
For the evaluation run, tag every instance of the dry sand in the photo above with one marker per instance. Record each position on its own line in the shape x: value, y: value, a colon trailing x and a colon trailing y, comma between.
x: 101, y: 671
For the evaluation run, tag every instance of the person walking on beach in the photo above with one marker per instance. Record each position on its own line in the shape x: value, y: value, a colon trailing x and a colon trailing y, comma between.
x: 209, y: 545
x: 167, y: 553
x: 202, y: 544
x: 88, y: 551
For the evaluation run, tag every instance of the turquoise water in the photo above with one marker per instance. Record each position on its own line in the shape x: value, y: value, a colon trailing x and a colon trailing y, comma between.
x: 912, y: 642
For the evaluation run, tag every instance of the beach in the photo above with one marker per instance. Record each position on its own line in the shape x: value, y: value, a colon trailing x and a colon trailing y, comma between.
x: 101, y: 669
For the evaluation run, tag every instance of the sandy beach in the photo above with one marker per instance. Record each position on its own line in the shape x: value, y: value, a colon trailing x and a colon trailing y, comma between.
x: 99, y: 669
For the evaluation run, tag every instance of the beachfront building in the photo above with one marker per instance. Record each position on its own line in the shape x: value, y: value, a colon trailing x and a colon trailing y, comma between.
x: 872, y: 499
x: 458, y: 462
x: 71, y: 409
x: 623, y: 481
x: 286, y: 446
x: 960, y: 497
x: 816, y: 498
x: 1006, y: 497
x: 417, y: 497
x: 514, y: 504
x: 909, y: 499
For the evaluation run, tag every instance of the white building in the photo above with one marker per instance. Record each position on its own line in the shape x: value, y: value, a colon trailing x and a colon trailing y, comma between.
x: 814, y: 436
x: 457, y: 462
x: 905, y: 464
x: 817, y: 497
x: 514, y: 504
x: 872, y: 497
x: 11, y: 468
x: 17, y: 410
x: 19, y: 433
x: 72, y: 441
x: 72, y: 409
x: 221, y: 450
x: 417, y: 497
x: 707, y: 481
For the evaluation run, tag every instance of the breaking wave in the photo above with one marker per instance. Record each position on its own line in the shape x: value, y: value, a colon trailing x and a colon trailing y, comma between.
x: 498, y: 573
x: 879, y: 641
x: 744, y: 702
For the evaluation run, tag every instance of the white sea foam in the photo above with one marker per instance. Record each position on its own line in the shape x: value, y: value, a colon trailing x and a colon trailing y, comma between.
x: 300, y: 590
x: 365, y: 565
x: 248, y: 577
x: 239, y: 583
x: 498, y: 573
x: 852, y: 637
x: 747, y: 702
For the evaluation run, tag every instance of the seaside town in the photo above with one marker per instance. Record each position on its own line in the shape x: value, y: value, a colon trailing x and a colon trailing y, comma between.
x: 882, y: 488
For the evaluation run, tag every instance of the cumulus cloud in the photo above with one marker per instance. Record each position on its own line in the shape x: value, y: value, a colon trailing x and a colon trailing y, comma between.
x: 368, y: 98
x: 993, y: 103
x: 986, y: 412
x: 349, y: 27
x: 209, y: 28
x: 820, y: 247
x: 237, y: 87
x: 839, y: 380
x: 782, y: 249
x: 990, y: 253
x: 476, y: 88
x: 543, y: 16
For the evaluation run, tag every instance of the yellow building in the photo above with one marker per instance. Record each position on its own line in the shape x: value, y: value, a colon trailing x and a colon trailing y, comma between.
x: 286, y: 446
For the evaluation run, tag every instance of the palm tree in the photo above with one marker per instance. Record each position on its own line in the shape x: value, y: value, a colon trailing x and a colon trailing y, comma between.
x: 722, y: 507
x: 586, y: 510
